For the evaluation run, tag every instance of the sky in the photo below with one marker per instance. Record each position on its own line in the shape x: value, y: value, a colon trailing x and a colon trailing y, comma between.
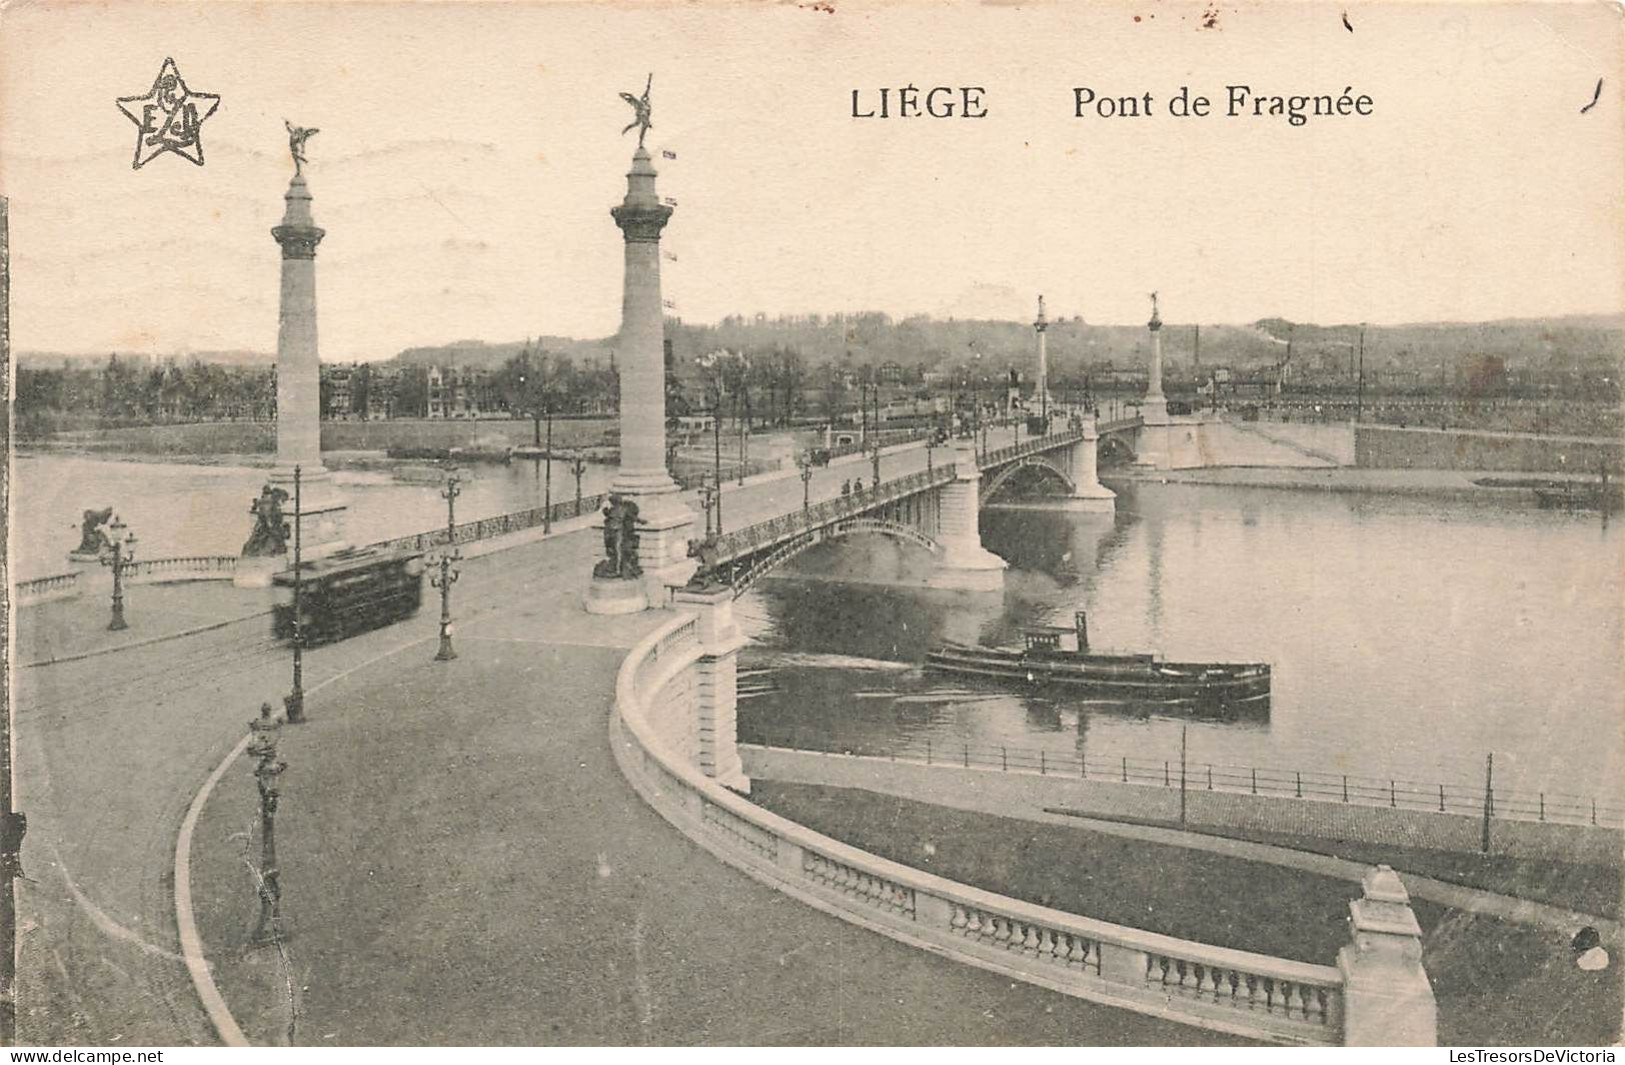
x: 469, y: 154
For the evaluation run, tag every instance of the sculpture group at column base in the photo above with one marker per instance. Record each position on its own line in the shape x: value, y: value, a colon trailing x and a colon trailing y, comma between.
x: 663, y: 525
x: 615, y: 595
x: 320, y: 515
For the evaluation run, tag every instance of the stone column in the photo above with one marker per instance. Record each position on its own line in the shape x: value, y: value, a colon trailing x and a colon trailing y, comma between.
x: 716, y: 688
x: 1152, y: 445
x: 1041, y: 327
x: 664, y: 523
x: 320, y: 517
x: 1387, y: 999
x: 965, y: 563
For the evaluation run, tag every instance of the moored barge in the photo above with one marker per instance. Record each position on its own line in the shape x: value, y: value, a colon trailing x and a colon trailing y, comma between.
x: 1137, y: 678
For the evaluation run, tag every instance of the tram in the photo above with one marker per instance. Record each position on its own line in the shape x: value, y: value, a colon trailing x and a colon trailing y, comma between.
x: 348, y: 593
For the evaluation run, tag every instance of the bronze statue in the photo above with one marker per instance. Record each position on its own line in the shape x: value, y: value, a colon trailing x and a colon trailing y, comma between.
x: 297, y: 136
x: 270, y: 535
x: 92, y: 535
x: 642, y: 110
x: 620, y: 540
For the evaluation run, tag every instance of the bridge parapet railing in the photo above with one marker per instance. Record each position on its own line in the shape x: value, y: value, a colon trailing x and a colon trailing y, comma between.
x: 1240, y: 992
x: 752, y: 538
x: 498, y: 525
x: 183, y: 568
x: 1011, y: 452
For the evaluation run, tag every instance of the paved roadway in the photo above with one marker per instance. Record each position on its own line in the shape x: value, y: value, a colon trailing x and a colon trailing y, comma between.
x: 111, y: 748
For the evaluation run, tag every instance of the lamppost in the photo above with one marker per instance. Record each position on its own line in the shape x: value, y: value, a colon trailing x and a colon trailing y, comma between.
x: 578, y: 466
x: 874, y: 455
x: 804, y: 460
x: 744, y: 394
x: 122, y: 554
x: 447, y: 576
x: 547, y: 483
x: 1359, y: 395
x: 263, y: 732
x: 709, y: 493
x: 294, y: 702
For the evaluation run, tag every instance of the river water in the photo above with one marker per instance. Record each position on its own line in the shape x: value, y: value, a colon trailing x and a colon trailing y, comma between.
x: 192, y: 509
x: 1409, y: 637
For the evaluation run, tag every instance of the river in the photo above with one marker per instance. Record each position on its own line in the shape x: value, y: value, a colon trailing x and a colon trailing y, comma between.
x: 1409, y: 637
x: 194, y: 509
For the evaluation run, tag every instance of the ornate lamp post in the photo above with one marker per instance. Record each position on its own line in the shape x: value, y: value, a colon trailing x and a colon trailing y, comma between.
x: 263, y: 732
x: 874, y: 456
x: 578, y: 466
x: 122, y: 553
x: 547, y: 484
x: 294, y: 702
x: 447, y: 575
x: 709, y: 494
x: 804, y: 460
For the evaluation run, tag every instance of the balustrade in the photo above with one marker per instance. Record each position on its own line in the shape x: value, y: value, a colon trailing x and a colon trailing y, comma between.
x: 43, y: 589
x: 759, y: 840
x: 1291, y: 1000
x: 1044, y: 943
x: 864, y: 886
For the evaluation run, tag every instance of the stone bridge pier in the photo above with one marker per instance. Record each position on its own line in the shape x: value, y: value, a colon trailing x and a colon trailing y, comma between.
x: 965, y: 563
x: 1087, y: 492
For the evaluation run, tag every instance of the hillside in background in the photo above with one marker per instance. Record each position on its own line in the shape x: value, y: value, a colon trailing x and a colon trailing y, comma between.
x: 1569, y: 342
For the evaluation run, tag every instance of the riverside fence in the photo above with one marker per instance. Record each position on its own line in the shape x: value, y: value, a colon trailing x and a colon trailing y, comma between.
x: 1481, y: 799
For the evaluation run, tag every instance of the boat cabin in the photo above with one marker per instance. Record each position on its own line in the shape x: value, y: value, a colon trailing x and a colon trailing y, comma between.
x: 1050, y: 639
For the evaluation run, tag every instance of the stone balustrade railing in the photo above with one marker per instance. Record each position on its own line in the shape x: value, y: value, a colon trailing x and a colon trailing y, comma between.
x: 46, y: 589
x: 1232, y: 991
x: 184, y: 568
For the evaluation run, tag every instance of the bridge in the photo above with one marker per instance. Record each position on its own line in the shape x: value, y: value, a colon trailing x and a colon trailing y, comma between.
x: 935, y: 509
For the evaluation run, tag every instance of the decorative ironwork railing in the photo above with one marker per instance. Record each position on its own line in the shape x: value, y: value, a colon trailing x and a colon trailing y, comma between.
x: 753, y: 538
x: 500, y: 525
x: 1001, y: 455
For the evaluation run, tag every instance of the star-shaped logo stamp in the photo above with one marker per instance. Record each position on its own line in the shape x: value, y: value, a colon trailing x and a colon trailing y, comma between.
x: 169, y: 118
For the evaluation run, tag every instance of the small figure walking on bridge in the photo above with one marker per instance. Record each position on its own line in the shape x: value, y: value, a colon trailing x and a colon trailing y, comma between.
x: 846, y: 487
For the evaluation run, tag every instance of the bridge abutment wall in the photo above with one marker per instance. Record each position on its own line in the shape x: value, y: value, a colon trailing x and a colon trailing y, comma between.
x: 1393, y: 447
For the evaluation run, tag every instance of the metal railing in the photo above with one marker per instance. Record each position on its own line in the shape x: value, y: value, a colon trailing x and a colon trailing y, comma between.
x: 753, y: 538
x: 500, y: 525
x: 1010, y: 452
x: 1311, y: 785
